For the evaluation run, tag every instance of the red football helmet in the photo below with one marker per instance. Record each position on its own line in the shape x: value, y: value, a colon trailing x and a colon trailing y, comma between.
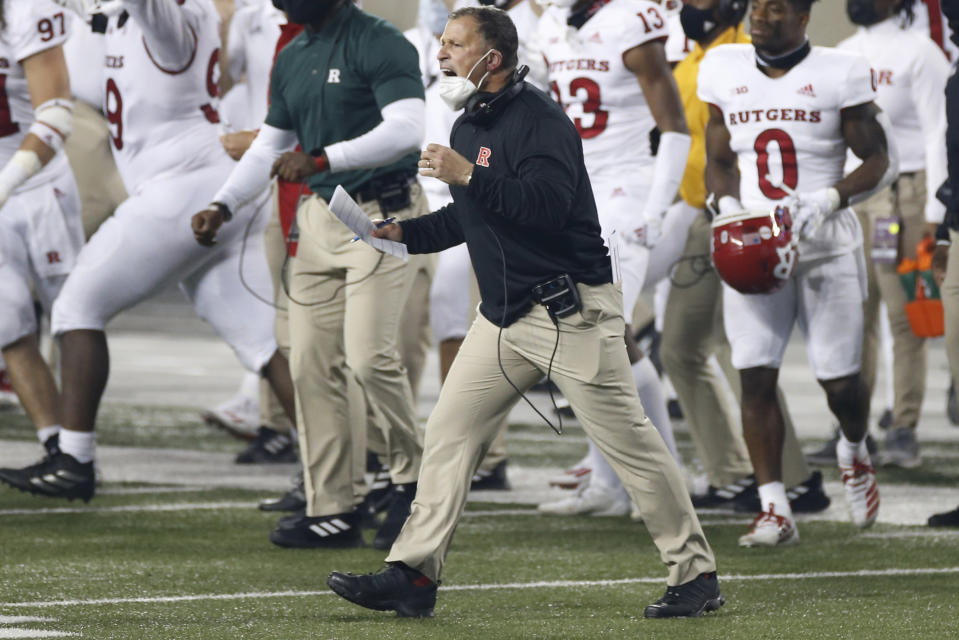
x: 754, y: 251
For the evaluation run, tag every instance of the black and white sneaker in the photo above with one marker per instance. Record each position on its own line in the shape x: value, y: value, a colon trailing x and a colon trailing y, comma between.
x: 807, y: 497
x: 269, y: 447
x: 378, y: 499
x: 727, y: 495
x: 396, y: 587
x: 492, y: 480
x: 399, y: 511
x: 57, y: 476
x: 339, y: 531
x: 689, y: 600
x: 292, y: 500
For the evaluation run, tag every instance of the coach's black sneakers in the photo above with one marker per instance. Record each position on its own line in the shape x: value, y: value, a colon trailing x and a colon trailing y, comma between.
x: 269, y: 447
x: 58, y: 476
x: 340, y: 531
x: 493, y: 480
x: 292, y: 500
x: 396, y: 587
x: 689, y: 600
x: 807, y: 497
x: 947, y: 519
x: 728, y: 495
x: 399, y: 511
x: 378, y: 499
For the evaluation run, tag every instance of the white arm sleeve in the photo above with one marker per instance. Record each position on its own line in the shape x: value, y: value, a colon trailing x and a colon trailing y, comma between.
x: 169, y: 38
x: 892, y: 172
x: 401, y: 132
x: 251, y: 175
x: 668, y: 173
x: 929, y: 98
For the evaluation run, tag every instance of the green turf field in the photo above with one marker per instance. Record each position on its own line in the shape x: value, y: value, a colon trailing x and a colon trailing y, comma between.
x: 138, y: 562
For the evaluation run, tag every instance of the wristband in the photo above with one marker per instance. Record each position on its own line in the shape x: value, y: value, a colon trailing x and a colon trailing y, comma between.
x: 321, y: 162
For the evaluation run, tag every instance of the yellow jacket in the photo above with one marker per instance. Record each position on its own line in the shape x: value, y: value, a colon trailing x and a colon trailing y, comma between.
x: 693, y: 187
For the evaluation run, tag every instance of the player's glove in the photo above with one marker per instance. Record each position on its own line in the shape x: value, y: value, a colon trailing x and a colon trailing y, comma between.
x: 649, y: 233
x: 810, y: 209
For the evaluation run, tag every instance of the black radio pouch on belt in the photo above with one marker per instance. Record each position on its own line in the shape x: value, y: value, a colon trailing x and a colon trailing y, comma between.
x: 559, y: 296
x: 392, y: 192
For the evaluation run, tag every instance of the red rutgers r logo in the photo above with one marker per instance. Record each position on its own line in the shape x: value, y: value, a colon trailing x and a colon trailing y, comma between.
x: 53, y: 257
x: 483, y: 158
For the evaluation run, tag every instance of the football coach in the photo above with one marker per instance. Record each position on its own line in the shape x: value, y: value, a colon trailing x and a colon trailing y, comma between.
x: 523, y: 205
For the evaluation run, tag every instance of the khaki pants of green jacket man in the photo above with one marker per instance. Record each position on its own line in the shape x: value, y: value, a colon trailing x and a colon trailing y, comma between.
x: 345, y: 307
x: 592, y: 370
x: 907, y: 199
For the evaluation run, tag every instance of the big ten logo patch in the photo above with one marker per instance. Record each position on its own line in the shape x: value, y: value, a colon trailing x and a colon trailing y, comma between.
x: 483, y: 158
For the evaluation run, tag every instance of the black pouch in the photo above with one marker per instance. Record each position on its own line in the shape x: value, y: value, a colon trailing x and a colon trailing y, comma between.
x: 559, y: 296
x: 392, y: 194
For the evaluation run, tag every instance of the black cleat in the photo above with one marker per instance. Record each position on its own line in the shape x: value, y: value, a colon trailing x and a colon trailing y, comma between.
x: 493, y: 480
x: 269, y: 447
x: 947, y: 519
x: 396, y: 587
x: 292, y: 500
x: 52, y: 445
x: 339, y: 531
x: 689, y: 600
x: 56, y: 476
x: 727, y: 496
x: 807, y: 497
x: 399, y: 511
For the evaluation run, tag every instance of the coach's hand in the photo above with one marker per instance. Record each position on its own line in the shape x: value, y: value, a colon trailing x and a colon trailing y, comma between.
x: 391, y: 231
x: 205, y: 224
x: 294, y: 166
x: 443, y: 163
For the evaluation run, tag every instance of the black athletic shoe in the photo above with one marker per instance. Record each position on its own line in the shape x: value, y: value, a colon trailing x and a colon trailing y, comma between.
x: 807, y: 497
x: 378, y: 499
x: 952, y: 405
x: 689, y: 600
x: 399, y: 511
x: 269, y: 447
x: 57, y: 476
x: 292, y: 500
x: 493, y: 480
x: 340, y: 531
x: 291, y: 520
x: 947, y: 519
x: 885, y: 420
x: 396, y: 587
x: 52, y: 445
x: 727, y: 496
x: 825, y: 456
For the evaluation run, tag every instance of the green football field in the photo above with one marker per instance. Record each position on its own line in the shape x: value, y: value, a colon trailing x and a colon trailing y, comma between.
x: 165, y: 561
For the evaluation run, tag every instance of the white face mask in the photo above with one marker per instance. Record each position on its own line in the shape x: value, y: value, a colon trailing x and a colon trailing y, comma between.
x: 456, y: 90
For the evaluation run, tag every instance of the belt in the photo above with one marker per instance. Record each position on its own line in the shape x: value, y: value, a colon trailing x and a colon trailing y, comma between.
x: 373, y: 188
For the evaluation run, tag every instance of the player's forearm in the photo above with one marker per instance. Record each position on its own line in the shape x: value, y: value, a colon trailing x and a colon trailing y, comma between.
x: 252, y: 173
x: 169, y: 38
x: 670, y: 165
x: 400, y: 133
x: 880, y: 166
x: 45, y: 138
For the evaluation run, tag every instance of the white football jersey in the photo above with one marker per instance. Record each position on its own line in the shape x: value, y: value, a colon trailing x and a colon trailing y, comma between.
x: 254, y: 31
x: 162, y: 121
x: 678, y: 46
x: 32, y: 26
x: 786, y: 131
x: 587, y: 76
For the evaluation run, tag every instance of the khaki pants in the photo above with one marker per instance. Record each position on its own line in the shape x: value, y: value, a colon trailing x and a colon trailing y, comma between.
x: 345, y: 306
x: 906, y: 198
x: 692, y: 331
x: 415, y: 330
x: 592, y: 369
x: 950, y: 304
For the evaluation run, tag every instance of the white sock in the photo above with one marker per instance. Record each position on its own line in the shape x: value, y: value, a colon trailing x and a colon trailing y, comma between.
x: 846, y: 450
x: 774, y: 493
x: 45, y: 433
x: 79, y: 444
x: 250, y: 387
x: 651, y: 394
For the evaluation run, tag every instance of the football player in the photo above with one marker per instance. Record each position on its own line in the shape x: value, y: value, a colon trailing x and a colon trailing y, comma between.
x: 40, y: 228
x: 160, y: 100
x: 607, y: 67
x: 785, y: 113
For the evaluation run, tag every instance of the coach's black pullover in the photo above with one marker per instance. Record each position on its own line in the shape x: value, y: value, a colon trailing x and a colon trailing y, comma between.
x: 530, y: 189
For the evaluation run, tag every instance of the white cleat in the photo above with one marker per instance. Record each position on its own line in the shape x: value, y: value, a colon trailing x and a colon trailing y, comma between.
x: 770, y: 530
x: 574, y: 478
x: 239, y: 416
x: 591, y: 500
x: 862, y: 492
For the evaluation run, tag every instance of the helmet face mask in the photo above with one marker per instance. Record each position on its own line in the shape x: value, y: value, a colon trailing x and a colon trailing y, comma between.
x: 755, y: 251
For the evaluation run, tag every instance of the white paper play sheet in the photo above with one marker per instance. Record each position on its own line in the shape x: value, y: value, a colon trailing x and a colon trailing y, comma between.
x: 353, y: 216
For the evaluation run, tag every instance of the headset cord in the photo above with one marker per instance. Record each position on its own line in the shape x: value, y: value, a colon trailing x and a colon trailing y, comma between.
x: 246, y: 237
x: 499, y: 357
x: 699, y: 264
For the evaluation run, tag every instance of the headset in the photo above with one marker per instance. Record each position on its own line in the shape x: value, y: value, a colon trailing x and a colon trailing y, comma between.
x: 480, y: 105
x: 731, y: 12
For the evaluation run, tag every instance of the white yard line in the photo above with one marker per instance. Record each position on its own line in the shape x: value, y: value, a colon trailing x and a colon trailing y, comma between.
x: 552, y: 584
x: 131, y: 508
x: 17, y: 632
